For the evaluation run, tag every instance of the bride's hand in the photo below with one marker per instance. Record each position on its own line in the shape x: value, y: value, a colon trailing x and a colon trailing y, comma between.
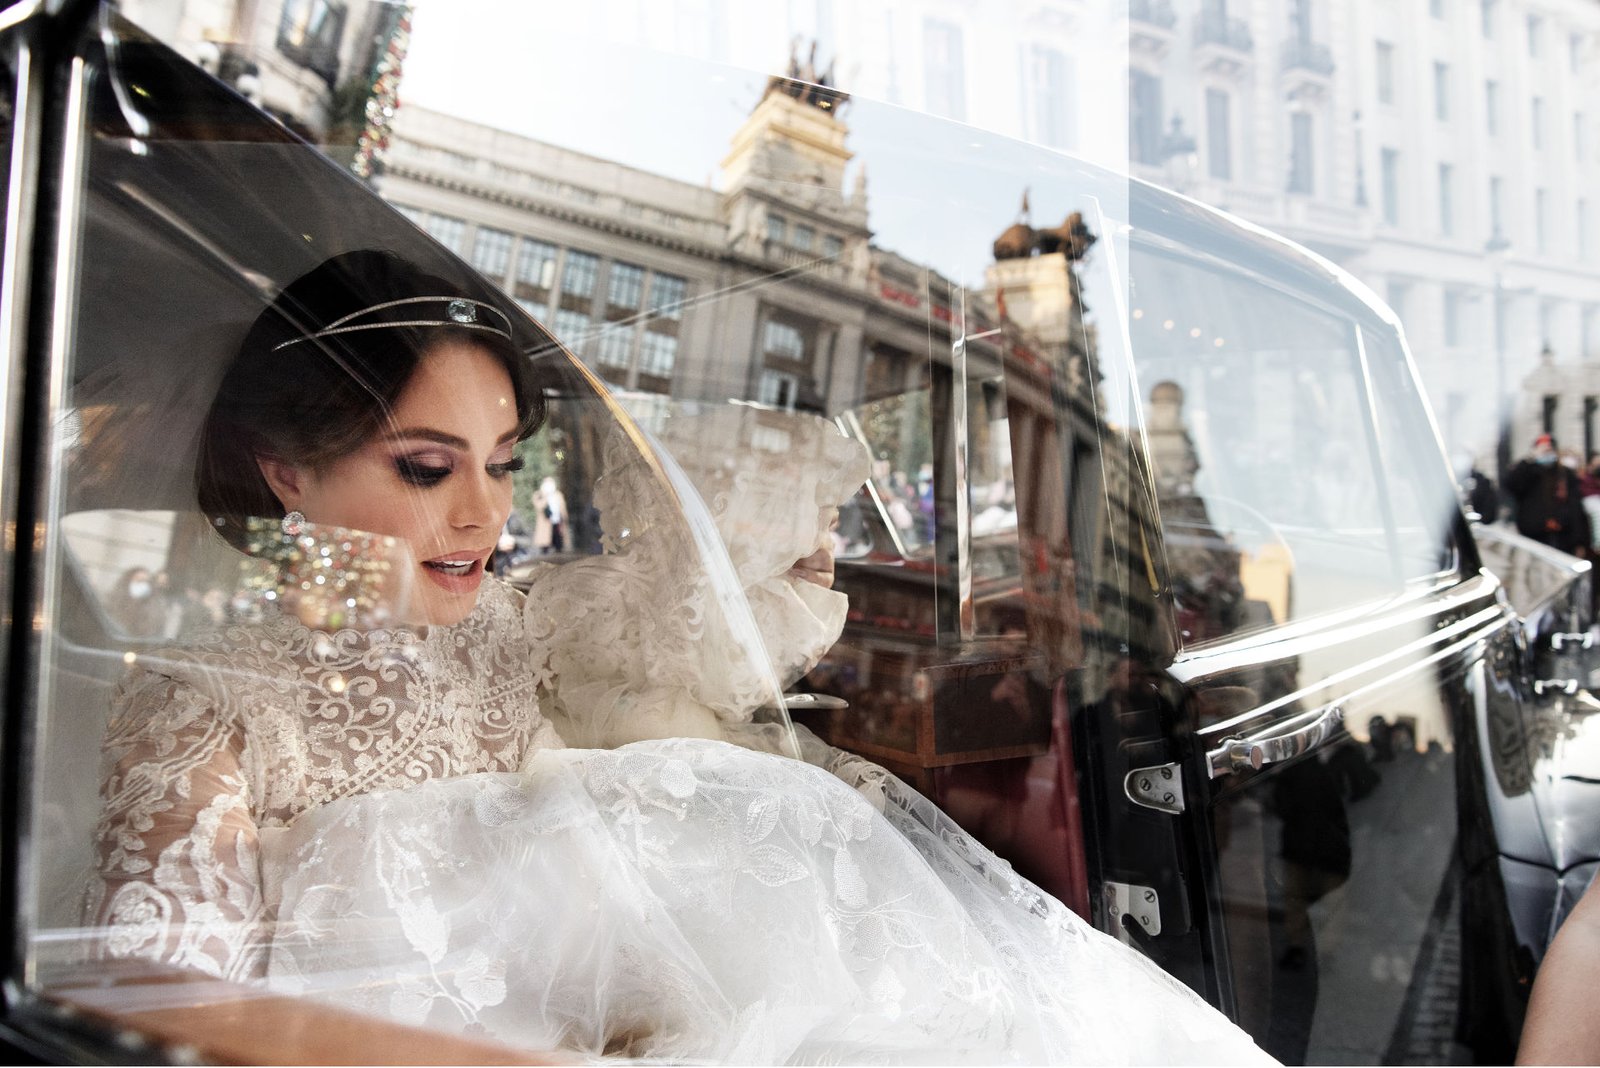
x: 816, y: 568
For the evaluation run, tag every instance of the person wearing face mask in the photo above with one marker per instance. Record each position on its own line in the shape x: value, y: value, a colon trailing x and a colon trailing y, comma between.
x: 1549, y: 500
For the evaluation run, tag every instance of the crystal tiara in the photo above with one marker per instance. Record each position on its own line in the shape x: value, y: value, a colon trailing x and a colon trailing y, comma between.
x: 448, y: 311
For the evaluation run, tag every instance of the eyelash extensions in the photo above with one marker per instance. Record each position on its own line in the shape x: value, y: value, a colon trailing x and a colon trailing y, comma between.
x: 426, y: 475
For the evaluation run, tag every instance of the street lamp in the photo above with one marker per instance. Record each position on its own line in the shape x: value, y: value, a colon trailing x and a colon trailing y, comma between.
x: 1495, y: 247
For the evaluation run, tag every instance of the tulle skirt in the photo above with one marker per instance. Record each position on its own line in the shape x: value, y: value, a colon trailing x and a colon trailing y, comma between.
x: 693, y: 900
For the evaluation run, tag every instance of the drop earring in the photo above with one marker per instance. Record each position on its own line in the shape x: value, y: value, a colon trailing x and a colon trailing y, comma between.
x: 294, y: 523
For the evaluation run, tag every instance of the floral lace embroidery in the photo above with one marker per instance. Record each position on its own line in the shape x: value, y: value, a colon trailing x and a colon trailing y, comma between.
x: 252, y: 726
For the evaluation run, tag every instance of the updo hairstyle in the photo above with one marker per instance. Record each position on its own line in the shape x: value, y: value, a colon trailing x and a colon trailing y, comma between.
x: 311, y: 402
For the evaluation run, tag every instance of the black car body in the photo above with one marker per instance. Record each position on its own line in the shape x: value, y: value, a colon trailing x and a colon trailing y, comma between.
x: 1225, y: 669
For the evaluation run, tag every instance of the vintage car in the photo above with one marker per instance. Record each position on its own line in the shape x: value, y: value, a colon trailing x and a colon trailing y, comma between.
x: 1159, y: 586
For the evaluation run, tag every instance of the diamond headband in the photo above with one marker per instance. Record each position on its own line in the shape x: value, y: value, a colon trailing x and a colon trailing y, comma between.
x: 449, y: 311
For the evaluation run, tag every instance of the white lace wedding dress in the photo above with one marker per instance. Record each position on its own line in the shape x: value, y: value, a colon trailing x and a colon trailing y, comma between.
x: 388, y: 821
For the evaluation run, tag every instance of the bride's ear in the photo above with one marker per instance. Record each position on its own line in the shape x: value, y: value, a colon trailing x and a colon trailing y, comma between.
x: 285, y: 480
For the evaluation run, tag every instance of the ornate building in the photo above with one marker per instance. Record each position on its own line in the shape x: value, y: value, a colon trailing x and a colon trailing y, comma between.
x: 623, y: 264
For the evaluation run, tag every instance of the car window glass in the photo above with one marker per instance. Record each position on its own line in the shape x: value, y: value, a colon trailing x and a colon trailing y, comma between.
x: 1418, y: 487
x: 1260, y: 435
x: 168, y: 621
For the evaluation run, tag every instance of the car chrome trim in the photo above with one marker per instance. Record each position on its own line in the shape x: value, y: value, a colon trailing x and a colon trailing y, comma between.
x: 1160, y: 787
x: 17, y: 14
x: 1280, y: 741
x: 1281, y: 643
x: 1464, y: 632
x: 69, y: 219
x: 14, y: 274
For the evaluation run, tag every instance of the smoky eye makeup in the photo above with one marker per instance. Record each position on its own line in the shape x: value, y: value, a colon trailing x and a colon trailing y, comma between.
x: 424, y: 469
x: 505, y: 467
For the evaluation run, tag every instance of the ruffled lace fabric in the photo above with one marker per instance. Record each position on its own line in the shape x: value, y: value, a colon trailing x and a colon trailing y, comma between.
x: 692, y: 900
x: 742, y: 627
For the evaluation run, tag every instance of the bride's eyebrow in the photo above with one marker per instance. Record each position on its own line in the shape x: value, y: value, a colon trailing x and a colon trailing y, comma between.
x: 439, y: 437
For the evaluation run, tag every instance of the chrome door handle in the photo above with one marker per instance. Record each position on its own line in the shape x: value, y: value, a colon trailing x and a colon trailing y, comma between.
x: 1582, y: 639
x: 1275, y: 743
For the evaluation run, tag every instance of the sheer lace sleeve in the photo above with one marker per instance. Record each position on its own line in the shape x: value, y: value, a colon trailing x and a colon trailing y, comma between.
x: 676, y: 632
x: 177, y: 840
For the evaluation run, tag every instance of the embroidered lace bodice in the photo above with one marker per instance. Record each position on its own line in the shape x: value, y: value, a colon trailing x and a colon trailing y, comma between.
x: 247, y: 728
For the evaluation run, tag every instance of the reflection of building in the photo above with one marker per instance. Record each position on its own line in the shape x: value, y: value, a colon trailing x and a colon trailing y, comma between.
x: 1444, y: 152
x: 306, y: 62
x: 767, y: 290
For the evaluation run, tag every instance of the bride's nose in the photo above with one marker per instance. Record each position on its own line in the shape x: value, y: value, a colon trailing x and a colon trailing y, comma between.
x: 475, y: 503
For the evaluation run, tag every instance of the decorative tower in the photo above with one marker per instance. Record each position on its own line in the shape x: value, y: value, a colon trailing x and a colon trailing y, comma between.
x: 784, y: 176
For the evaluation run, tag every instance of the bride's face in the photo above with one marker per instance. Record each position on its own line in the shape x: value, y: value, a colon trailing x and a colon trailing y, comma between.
x: 438, y: 477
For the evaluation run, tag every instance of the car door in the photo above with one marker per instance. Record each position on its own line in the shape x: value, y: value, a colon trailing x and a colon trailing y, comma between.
x: 1305, y: 738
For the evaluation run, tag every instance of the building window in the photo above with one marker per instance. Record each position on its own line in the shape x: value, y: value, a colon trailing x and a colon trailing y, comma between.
x: 667, y: 294
x: 491, y: 253
x: 778, y: 389
x: 1144, y: 117
x: 1219, y: 135
x: 1441, y: 92
x: 1436, y: 8
x: 571, y: 327
x: 1052, y: 97
x: 1390, y: 159
x: 1452, y: 319
x: 777, y: 228
x: 1447, y: 211
x: 309, y: 33
x: 536, y: 264
x: 1496, y: 207
x: 1535, y: 32
x: 783, y: 341
x: 1581, y: 225
x: 1575, y: 52
x: 658, y: 354
x: 832, y: 247
x: 1491, y: 107
x: 448, y: 231
x: 578, y: 276
x: 1486, y: 7
x: 1580, y: 146
x: 418, y: 217
x: 1541, y: 227
x: 624, y: 291
x: 804, y: 237
x: 1302, y: 160
x: 1395, y: 292
x: 575, y: 308
x: 536, y: 276
x: 1385, y: 65
x: 615, y: 347
x: 944, y: 69
x: 1536, y: 122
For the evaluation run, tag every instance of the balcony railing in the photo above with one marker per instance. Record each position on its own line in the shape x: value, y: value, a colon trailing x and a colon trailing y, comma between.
x: 1308, y: 56
x: 1215, y: 28
x: 1155, y: 12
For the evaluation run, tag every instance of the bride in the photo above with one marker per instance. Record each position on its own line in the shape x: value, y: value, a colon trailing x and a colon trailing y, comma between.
x: 393, y: 812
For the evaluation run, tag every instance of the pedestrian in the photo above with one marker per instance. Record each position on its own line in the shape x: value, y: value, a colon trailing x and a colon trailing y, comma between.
x: 1478, y: 489
x: 550, y: 517
x: 1549, y: 500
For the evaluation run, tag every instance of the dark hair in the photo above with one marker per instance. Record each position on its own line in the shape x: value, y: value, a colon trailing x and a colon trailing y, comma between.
x: 314, y: 401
